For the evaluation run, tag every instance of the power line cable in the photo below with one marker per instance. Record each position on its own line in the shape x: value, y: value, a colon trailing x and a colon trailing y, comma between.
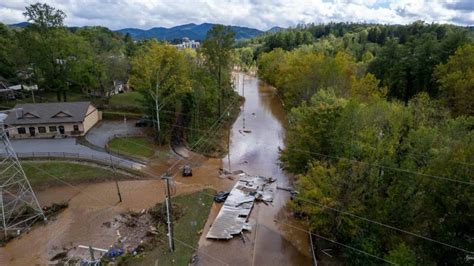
x: 335, y: 242
x: 383, y: 166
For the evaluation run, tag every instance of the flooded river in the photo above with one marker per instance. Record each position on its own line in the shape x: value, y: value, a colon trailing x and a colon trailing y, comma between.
x: 255, y: 139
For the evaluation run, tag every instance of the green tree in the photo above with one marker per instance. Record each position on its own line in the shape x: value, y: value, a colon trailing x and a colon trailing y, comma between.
x: 44, y: 16
x: 456, y: 79
x: 217, y: 52
x: 53, y: 52
x: 160, y: 72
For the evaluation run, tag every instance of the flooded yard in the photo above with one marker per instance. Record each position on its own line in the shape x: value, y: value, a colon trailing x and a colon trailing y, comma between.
x: 255, y: 140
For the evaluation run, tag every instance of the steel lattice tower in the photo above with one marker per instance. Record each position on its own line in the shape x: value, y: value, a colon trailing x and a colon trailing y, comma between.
x: 19, y: 206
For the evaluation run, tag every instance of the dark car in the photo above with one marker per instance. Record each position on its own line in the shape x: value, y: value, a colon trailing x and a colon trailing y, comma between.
x: 187, y: 171
x: 221, y: 196
x: 144, y: 122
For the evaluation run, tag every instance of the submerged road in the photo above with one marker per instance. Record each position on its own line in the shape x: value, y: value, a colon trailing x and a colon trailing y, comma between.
x: 255, y: 139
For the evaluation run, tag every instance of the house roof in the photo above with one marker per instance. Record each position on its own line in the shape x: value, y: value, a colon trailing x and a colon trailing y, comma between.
x: 48, y: 113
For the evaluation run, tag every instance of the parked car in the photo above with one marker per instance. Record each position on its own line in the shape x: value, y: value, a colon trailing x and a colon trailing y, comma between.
x: 144, y: 122
x: 187, y: 171
x: 221, y: 196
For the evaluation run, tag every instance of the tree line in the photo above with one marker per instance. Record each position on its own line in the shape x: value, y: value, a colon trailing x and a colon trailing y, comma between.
x: 60, y: 59
x: 192, y: 88
x: 381, y: 138
x: 402, y: 57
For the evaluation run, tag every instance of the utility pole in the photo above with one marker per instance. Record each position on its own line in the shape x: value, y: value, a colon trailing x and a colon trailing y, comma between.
x: 243, y: 105
x: 169, y: 211
x: 228, y: 143
x: 32, y: 95
x: 115, y: 178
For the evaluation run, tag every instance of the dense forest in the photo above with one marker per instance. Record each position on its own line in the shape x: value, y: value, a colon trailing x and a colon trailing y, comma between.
x: 381, y: 135
x: 186, y: 86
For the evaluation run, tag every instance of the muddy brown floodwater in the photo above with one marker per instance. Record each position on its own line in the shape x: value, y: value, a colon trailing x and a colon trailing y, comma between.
x: 256, y: 137
x: 254, y: 151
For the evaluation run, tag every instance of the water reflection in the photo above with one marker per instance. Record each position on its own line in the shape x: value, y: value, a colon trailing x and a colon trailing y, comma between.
x: 254, y: 149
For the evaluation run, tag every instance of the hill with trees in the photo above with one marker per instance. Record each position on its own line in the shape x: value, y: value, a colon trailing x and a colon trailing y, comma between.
x: 380, y: 136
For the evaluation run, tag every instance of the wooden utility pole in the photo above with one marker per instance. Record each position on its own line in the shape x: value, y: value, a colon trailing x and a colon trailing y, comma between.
x: 115, y: 178
x: 243, y: 105
x: 169, y: 211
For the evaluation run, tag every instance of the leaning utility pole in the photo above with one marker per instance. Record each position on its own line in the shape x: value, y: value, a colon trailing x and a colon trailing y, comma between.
x: 115, y: 178
x: 169, y: 211
x: 19, y: 206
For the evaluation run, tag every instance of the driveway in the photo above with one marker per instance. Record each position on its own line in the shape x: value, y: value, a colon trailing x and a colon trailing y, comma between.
x: 101, y: 133
x: 65, y: 148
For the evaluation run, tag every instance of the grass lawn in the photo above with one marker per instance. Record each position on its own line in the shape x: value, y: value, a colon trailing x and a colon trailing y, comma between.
x: 195, y: 209
x: 42, y: 174
x: 133, y: 146
x: 131, y: 99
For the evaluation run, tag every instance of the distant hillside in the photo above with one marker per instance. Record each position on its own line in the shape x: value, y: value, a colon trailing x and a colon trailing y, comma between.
x: 275, y: 29
x: 19, y: 25
x: 192, y: 31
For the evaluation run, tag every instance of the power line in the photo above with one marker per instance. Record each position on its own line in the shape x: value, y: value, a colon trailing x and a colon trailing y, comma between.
x: 377, y: 223
x: 408, y: 155
x: 384, y: 225
x: 195, y: 249
x: 335, y: 242
x: 383, y: 166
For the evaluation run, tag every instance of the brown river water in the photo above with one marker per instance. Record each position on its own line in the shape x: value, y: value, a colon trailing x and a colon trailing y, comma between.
x: 91, y: 205
x: 257, y: 153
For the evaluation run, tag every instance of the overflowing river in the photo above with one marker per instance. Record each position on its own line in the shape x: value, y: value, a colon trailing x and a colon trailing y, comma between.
x: 255, y: 139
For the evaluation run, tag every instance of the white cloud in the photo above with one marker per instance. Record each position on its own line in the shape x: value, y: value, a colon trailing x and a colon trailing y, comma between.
x: 145, y: 14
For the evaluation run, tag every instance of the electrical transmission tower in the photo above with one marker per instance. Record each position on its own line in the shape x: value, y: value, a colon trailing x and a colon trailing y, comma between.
x: 19, y: 206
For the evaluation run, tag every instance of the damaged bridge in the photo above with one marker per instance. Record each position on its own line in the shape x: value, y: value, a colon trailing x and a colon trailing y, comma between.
x: 233, y: 216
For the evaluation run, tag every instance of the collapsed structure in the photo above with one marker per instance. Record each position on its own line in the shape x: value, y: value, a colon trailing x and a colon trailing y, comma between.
x: 233, y: 216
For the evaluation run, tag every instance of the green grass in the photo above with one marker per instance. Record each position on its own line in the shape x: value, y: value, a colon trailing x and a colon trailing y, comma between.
x: 133, y: 146
x: 127, y: 100
x: 44, y: 174
x: 195, y: 209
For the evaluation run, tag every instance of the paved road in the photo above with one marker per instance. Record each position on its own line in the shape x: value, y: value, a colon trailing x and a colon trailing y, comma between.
x: 101, y: 133
x: 68, y: 146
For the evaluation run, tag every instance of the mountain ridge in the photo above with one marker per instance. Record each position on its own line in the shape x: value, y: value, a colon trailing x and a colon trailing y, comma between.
x: 191, y: 30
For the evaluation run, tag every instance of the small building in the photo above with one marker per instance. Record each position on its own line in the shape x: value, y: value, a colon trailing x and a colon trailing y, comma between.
x: 16, y: 91
x: 50, y: 120
x: 119, y: 86
x: 187, y: 43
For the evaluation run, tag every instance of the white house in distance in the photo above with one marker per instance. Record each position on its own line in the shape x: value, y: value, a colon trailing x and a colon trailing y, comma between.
x: 187, y: 43
x: 50, y: 120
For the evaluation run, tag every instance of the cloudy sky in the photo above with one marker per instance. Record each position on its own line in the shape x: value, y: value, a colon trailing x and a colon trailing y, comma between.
x: 261, y: 14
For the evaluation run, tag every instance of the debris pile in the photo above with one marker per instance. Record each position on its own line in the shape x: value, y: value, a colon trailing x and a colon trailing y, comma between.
x: 136, y: 232
x: 140, y: 231
x: 233, y: 216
